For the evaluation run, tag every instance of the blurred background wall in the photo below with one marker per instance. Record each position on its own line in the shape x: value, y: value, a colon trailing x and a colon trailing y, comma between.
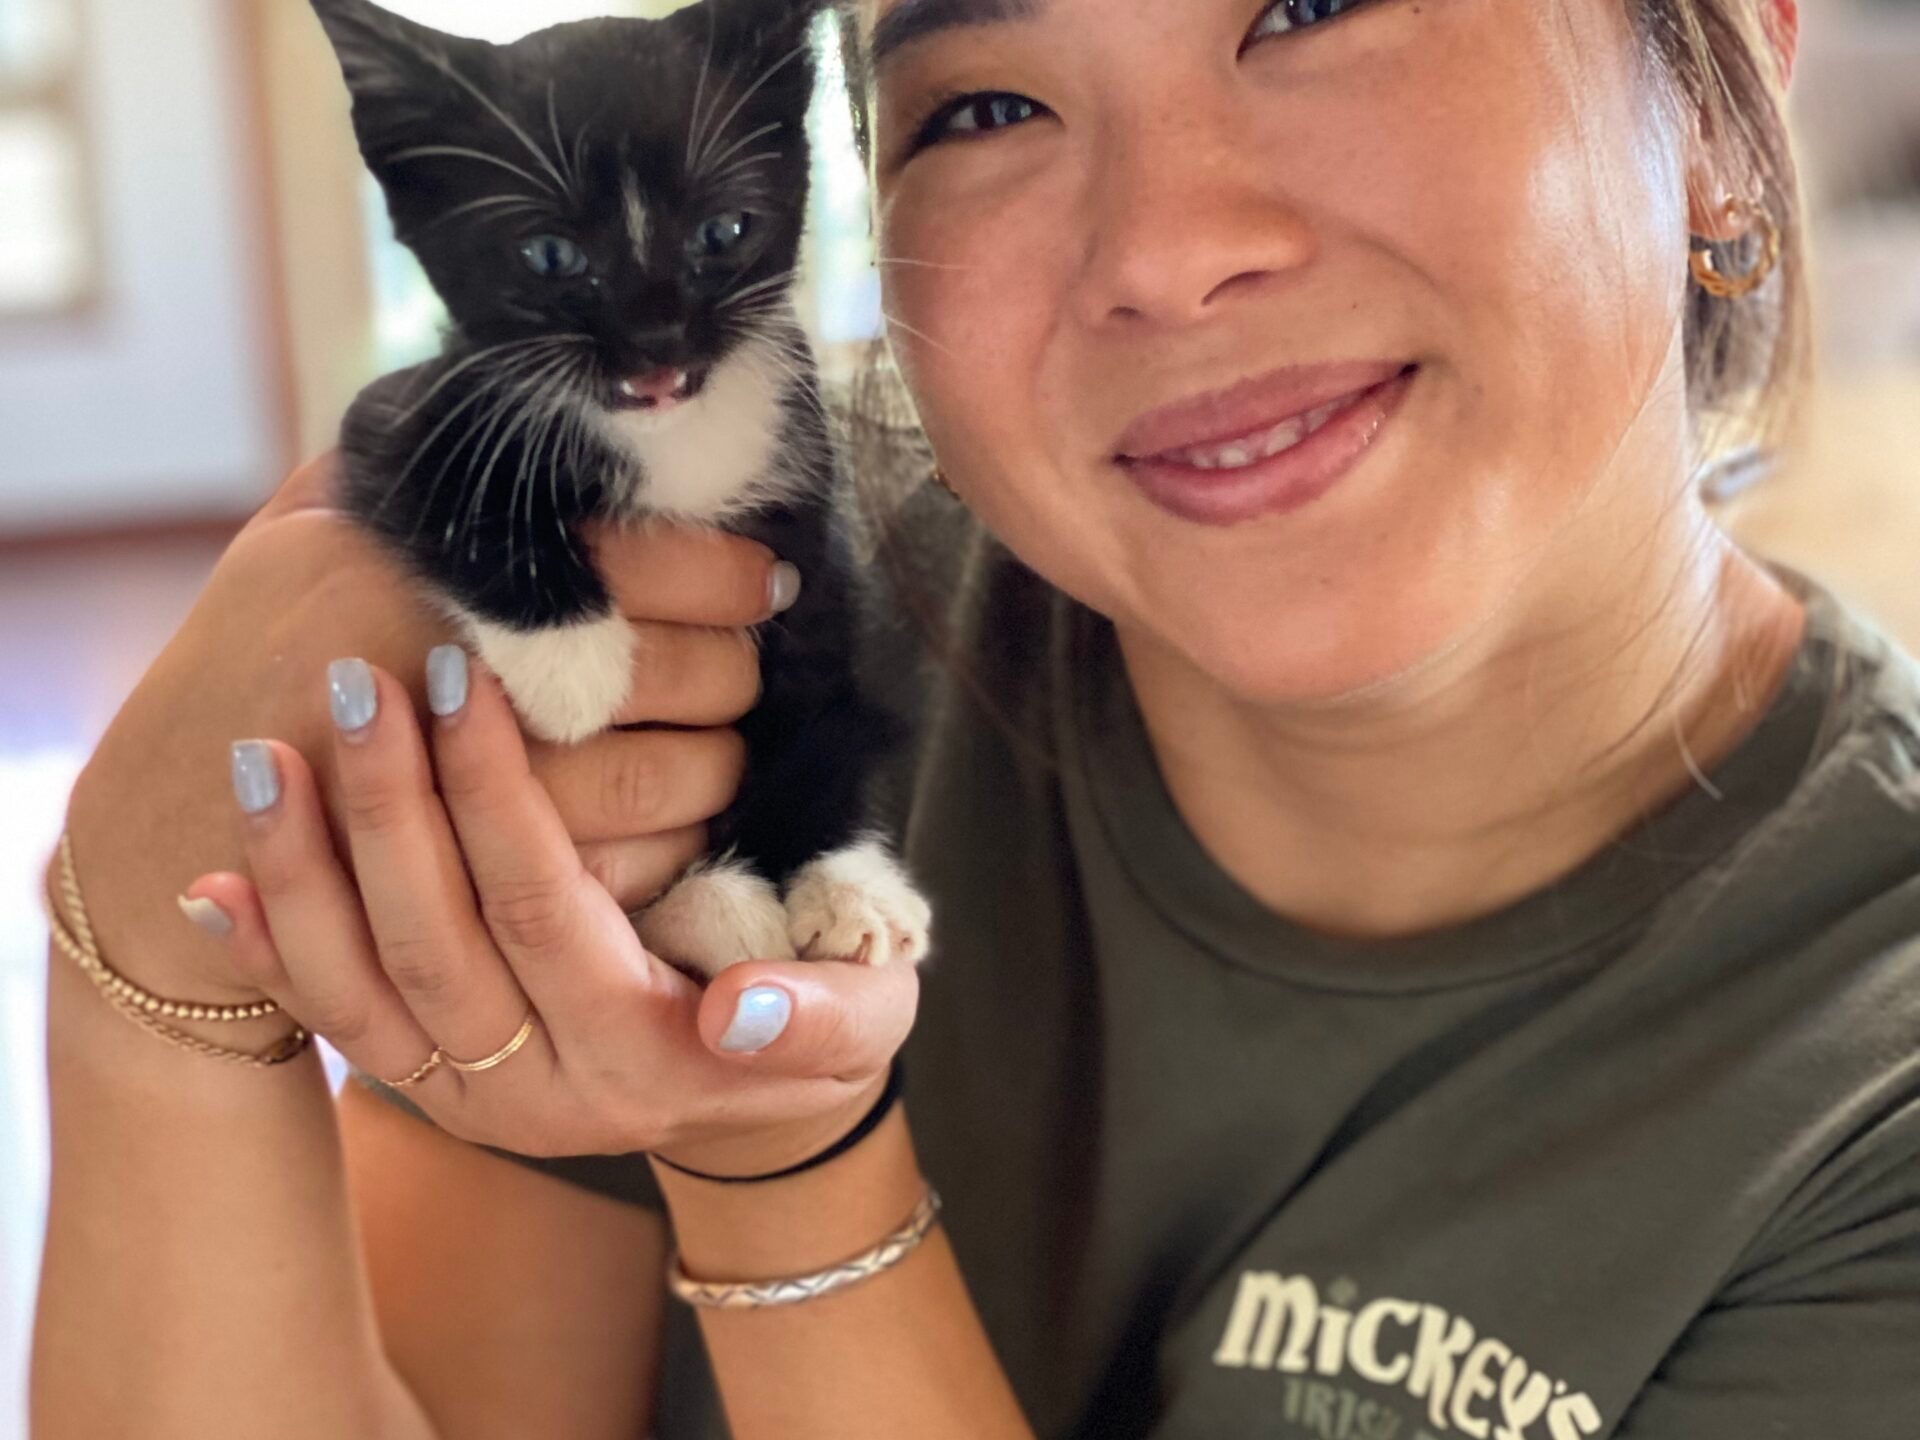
x: 194, y: 280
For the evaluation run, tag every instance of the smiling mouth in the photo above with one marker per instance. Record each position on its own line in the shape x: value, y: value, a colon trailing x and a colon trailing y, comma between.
x: 1248, y: 441
x: 1262, y: 445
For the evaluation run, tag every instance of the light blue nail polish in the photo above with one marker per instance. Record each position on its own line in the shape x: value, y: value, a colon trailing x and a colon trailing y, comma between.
x: 446, y: 680
x: 759, y: 1018
x: 355, y: 701
x: 784, y: 587
x: 256, y: 779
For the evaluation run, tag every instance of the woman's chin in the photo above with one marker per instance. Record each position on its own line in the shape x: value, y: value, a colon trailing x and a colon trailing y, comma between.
x: 1284, y: 652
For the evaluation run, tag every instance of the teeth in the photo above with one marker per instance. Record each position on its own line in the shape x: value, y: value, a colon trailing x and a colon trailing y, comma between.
x: 1242, y: 453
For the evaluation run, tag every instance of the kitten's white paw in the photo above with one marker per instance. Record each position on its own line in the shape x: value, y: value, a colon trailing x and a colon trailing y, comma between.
x: 567, y: 682
x: 716, y: 915
x: 858, y: 904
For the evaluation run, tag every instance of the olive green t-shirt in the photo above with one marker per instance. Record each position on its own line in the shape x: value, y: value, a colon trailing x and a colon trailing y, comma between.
x: 1637, y: 1156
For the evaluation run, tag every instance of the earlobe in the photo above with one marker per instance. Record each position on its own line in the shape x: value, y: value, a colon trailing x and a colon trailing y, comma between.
x: 1782, y: 21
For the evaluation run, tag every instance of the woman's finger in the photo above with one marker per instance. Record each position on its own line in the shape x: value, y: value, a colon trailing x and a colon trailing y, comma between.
x: 823, y: 1020
x: 637, y: 872
x: 571, y: 946
x: 419, y: 904
x: 691, y: 675
x: 692, y: 576
x: 622, y: 784
x: 301, y: 918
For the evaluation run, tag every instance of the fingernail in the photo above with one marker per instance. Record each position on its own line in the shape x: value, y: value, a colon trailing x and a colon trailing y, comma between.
x: 446, y: 680
x: 256, y: 779
x: 759, y: 1018
x: 207, y: 915
x: 784, y: 588
x: 355, y: 702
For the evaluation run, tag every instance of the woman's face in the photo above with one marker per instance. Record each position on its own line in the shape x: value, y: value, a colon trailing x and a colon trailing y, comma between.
x: 1459, y: 223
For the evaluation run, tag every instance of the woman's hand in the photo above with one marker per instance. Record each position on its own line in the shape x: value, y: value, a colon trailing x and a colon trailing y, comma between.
x: 473, y: 909
x: 302, y: 584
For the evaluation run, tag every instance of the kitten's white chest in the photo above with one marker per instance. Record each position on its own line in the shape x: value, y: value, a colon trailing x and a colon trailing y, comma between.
x: 716, y: 455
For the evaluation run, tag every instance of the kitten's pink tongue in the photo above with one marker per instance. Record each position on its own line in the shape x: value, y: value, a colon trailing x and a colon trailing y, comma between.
x: 658, y: 389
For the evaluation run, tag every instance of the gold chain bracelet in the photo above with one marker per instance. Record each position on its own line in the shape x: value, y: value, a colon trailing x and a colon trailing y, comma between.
x: 145, y: 1009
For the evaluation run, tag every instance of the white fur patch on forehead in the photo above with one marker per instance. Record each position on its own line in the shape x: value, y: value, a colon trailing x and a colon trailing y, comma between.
x: 636, y: 212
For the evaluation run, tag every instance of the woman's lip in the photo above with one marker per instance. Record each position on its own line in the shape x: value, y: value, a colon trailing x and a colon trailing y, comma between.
x: 1279, y: 483
x: 1251, y: 407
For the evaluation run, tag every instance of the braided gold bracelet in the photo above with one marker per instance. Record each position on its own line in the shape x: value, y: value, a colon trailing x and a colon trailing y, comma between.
x: 759, y: 1295
x: 145, y: 1009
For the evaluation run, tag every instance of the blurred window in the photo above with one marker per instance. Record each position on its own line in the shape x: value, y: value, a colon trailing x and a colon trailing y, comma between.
x: 47, y: 245
x: 839, y: 292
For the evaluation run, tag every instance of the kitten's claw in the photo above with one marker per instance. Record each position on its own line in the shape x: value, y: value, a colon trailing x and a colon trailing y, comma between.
x: 858, y: 904
x: 716, y: 915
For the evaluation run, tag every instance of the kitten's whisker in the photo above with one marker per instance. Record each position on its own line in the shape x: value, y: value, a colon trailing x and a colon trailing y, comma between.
x: 478, y: 357
x: 422, y: 152
x: 734, y: 297
x: 501, y: 394
x: 920, y: 335
x: 920, y: 264
x: 748, y: 94
x: 747, y: 164
x: 699, y: 91
x: 528, y: 469
x: 446, y: 67
x: 708, y: 166
x: 527, y: 388
x: 559, y: 146
x: 526, y: 202
x: 577, y: 157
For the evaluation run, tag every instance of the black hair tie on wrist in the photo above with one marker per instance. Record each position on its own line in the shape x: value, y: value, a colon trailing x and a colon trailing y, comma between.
x: 889, y: 1097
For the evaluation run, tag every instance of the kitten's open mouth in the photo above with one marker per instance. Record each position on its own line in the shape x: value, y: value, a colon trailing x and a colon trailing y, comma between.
x: 660, y: 389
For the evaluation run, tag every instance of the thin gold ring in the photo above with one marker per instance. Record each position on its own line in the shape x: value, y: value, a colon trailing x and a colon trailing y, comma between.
x: 432, y: 1064
x: 469, y: 1066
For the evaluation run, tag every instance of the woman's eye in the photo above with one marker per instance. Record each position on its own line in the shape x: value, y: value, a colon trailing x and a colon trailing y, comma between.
x: 972, y: 115
x: 554, y: 257
x: 1286, y: 15
x: 719, y: 236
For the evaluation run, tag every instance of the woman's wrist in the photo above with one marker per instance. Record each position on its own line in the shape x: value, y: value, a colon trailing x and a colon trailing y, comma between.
x: 804, y: 1222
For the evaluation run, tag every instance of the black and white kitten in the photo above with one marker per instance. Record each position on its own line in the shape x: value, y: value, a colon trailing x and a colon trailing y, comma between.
x: 612, y: 212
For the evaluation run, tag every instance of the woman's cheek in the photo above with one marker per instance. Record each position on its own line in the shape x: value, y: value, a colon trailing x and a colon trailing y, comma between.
x: 963, y: 286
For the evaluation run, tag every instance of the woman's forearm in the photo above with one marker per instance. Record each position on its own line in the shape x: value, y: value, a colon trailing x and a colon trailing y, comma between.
x: 202, y: 1279
x: 900, y: 1354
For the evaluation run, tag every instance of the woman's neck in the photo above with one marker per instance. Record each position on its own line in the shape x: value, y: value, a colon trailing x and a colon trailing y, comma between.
x: 1486, y: 776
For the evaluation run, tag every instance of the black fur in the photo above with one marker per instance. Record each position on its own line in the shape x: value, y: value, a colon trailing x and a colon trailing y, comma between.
x: 480, y: 466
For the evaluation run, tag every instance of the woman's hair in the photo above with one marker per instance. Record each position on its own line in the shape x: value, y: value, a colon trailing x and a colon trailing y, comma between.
x: 1747, y: 358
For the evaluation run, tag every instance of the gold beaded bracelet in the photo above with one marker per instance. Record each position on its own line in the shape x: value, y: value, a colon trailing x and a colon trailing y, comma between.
x: 145, y: 1009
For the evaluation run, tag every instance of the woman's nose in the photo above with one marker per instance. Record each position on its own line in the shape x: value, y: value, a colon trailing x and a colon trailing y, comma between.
x: 1181, y: 215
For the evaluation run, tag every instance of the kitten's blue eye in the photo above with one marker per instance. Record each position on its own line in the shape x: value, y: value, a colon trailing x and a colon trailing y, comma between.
x: 718, y: 237
x: 979, y: 114
x: 1289, y: 15
x: 554, y: 257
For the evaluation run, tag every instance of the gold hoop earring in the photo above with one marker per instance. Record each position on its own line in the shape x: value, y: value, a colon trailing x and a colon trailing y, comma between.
x: 1735, y: 287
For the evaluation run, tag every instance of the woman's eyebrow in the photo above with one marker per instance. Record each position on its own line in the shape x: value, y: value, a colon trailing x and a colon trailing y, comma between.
x: 913, y: 20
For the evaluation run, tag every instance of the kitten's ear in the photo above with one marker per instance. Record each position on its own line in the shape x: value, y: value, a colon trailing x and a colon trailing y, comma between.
x: 770, y: 25
x: 397, y: 70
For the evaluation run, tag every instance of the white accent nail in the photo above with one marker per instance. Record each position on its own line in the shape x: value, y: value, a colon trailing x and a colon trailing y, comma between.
x: 784, y: 588
x: 207, y: 915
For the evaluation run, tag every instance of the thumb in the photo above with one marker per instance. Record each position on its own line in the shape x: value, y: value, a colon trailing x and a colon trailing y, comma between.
x: 822, y: 1019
